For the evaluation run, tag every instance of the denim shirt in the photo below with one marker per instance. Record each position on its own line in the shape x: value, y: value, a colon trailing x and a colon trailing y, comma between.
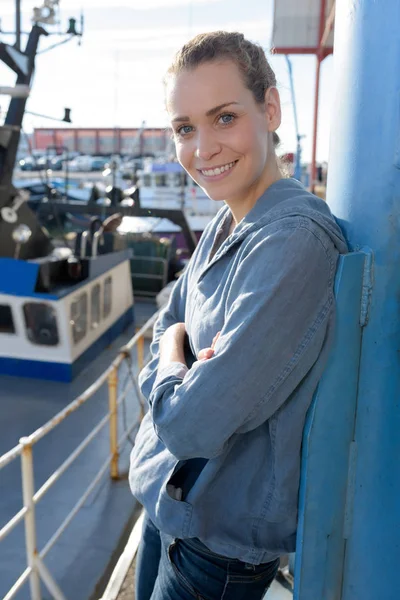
x: 268, y: 289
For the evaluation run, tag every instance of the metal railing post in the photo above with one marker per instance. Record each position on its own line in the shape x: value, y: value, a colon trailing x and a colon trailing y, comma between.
x: 140, y: 352
x: 112, y: 402
x: 28, y: 491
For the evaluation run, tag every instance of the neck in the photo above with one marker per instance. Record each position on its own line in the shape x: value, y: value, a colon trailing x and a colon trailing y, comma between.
x: 240, y: 206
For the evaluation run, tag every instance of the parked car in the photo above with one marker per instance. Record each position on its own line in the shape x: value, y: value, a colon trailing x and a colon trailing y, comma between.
x: 99, y: 163
x: 28, y: 164
x: 57, y: 163
x: 81, y: 163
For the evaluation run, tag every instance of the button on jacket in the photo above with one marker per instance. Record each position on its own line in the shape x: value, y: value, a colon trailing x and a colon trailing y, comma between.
x: 268, y: 289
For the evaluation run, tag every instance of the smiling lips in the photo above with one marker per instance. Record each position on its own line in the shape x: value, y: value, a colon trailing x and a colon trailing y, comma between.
x: 218, y: 170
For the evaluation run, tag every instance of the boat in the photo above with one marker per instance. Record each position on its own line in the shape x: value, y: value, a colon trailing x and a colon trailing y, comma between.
x: 160, y: 245
x: 43, y: 189
x: 165, y: 184
x: 65, y: 311
x: 56, y: 314
x: 58, y: 307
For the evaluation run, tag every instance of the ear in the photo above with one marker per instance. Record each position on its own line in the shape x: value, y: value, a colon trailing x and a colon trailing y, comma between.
x: 273, y: 108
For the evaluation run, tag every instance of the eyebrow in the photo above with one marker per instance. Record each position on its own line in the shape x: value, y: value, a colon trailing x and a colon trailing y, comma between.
x: 209, y: 113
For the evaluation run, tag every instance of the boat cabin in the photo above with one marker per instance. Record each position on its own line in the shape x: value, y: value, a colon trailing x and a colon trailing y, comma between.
x: 53, y: 334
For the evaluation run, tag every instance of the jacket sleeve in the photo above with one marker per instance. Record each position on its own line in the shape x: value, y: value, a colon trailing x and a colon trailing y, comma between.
x: 276, y: 319
x: 173, y: 313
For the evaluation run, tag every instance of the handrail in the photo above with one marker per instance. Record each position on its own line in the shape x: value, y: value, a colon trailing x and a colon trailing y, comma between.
x: 9, y: 526
x: 36, y: 569
x: 96, y: 239
x: 84, y: 237
x: 67, y: 463
x: 10, y: 455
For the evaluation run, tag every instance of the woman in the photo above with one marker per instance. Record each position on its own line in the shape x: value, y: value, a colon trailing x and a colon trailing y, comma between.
x: 217, y: 458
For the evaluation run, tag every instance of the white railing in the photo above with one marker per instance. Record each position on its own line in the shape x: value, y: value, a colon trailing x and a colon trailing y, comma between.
x: 36, y: 569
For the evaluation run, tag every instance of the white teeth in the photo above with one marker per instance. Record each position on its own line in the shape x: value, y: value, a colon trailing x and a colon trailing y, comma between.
x: 218, y: 170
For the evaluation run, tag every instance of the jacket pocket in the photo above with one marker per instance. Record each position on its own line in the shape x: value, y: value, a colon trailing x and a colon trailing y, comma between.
x: 152, y: 467
x: 174, y: 515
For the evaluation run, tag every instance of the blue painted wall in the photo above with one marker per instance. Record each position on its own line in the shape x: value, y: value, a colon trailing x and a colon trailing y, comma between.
x: 364, y: 192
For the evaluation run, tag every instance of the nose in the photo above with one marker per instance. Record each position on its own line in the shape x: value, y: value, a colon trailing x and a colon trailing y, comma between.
x: 207, y: 146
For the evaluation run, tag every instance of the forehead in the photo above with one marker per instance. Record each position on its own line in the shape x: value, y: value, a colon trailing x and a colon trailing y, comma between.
x: 208, y: 85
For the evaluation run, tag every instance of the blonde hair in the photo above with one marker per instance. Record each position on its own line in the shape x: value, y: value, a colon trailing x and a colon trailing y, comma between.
x: 249, y: 57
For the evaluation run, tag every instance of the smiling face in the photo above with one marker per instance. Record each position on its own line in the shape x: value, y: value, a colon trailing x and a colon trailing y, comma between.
x: 223, y: 137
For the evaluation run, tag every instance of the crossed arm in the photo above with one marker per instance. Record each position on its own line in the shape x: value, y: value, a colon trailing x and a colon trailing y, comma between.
x: 278, y: 310
x: 172, y: 346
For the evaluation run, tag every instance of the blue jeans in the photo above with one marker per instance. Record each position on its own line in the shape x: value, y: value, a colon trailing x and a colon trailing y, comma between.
x: 170, y: 569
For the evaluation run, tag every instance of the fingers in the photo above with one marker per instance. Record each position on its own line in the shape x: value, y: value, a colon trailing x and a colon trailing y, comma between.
x: 215, y: 340
x: 205, y: 354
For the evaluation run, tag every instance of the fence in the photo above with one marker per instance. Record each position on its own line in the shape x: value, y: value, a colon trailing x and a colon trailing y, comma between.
x: 36, y: 569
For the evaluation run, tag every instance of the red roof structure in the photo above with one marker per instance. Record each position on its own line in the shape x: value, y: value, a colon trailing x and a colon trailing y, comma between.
x: 305, y: 27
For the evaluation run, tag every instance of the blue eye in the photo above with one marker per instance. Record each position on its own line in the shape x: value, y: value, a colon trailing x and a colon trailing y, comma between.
x: 227, y: 119
x: 184, y: 130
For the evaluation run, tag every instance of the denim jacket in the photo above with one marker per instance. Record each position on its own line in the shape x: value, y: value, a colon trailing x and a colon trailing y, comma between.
x: 268, y: 289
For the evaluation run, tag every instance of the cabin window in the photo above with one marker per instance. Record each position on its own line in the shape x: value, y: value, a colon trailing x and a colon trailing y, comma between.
x: 41, y: 323
x: 107, y: 297
x: 78, y: 318
x: 6, y: 319
x: 147, y: 180
x: 95, y: 310
x: 180, y: 180
x: 161, y: 180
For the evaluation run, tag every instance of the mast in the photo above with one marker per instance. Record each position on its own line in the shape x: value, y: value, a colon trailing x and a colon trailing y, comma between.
x: 18, y: 24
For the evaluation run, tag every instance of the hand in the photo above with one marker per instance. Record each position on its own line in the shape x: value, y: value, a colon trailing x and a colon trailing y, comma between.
x: 207, y: 353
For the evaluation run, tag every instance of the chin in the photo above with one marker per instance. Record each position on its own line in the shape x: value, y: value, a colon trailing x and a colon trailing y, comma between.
x: 220, y: 194
x: 214, y: 194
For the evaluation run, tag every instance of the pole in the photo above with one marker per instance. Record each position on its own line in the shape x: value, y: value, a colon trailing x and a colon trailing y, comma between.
x: 112, y: 401
x: 18, y: 24
x: 28, y: 491
x: 313, y: 175
x: 364, y: 193
x: 320, y: 58
x: 140, y: 352
x: 297, y: 169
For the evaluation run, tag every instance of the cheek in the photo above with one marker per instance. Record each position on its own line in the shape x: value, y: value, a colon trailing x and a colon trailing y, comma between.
x: 248, y: 140
x: 184, y: 154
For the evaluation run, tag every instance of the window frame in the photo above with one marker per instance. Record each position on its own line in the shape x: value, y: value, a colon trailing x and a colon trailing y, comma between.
x: 107, y: 289
x: 95, y: 324
x: 35, y: 341
x: 11, y: 314
x: 79, y: 298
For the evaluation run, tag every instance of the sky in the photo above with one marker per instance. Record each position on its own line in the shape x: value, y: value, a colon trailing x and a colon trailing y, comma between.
x: 112, y: 77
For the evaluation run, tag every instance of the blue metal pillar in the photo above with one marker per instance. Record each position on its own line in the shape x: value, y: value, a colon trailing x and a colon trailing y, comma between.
x: 364, y: 193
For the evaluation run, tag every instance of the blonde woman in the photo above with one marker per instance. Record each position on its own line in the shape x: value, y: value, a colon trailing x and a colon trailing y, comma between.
x: 217, y: 458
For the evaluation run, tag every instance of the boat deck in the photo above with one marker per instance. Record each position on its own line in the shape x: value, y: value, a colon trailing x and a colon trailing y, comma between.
x: 81, y: 557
